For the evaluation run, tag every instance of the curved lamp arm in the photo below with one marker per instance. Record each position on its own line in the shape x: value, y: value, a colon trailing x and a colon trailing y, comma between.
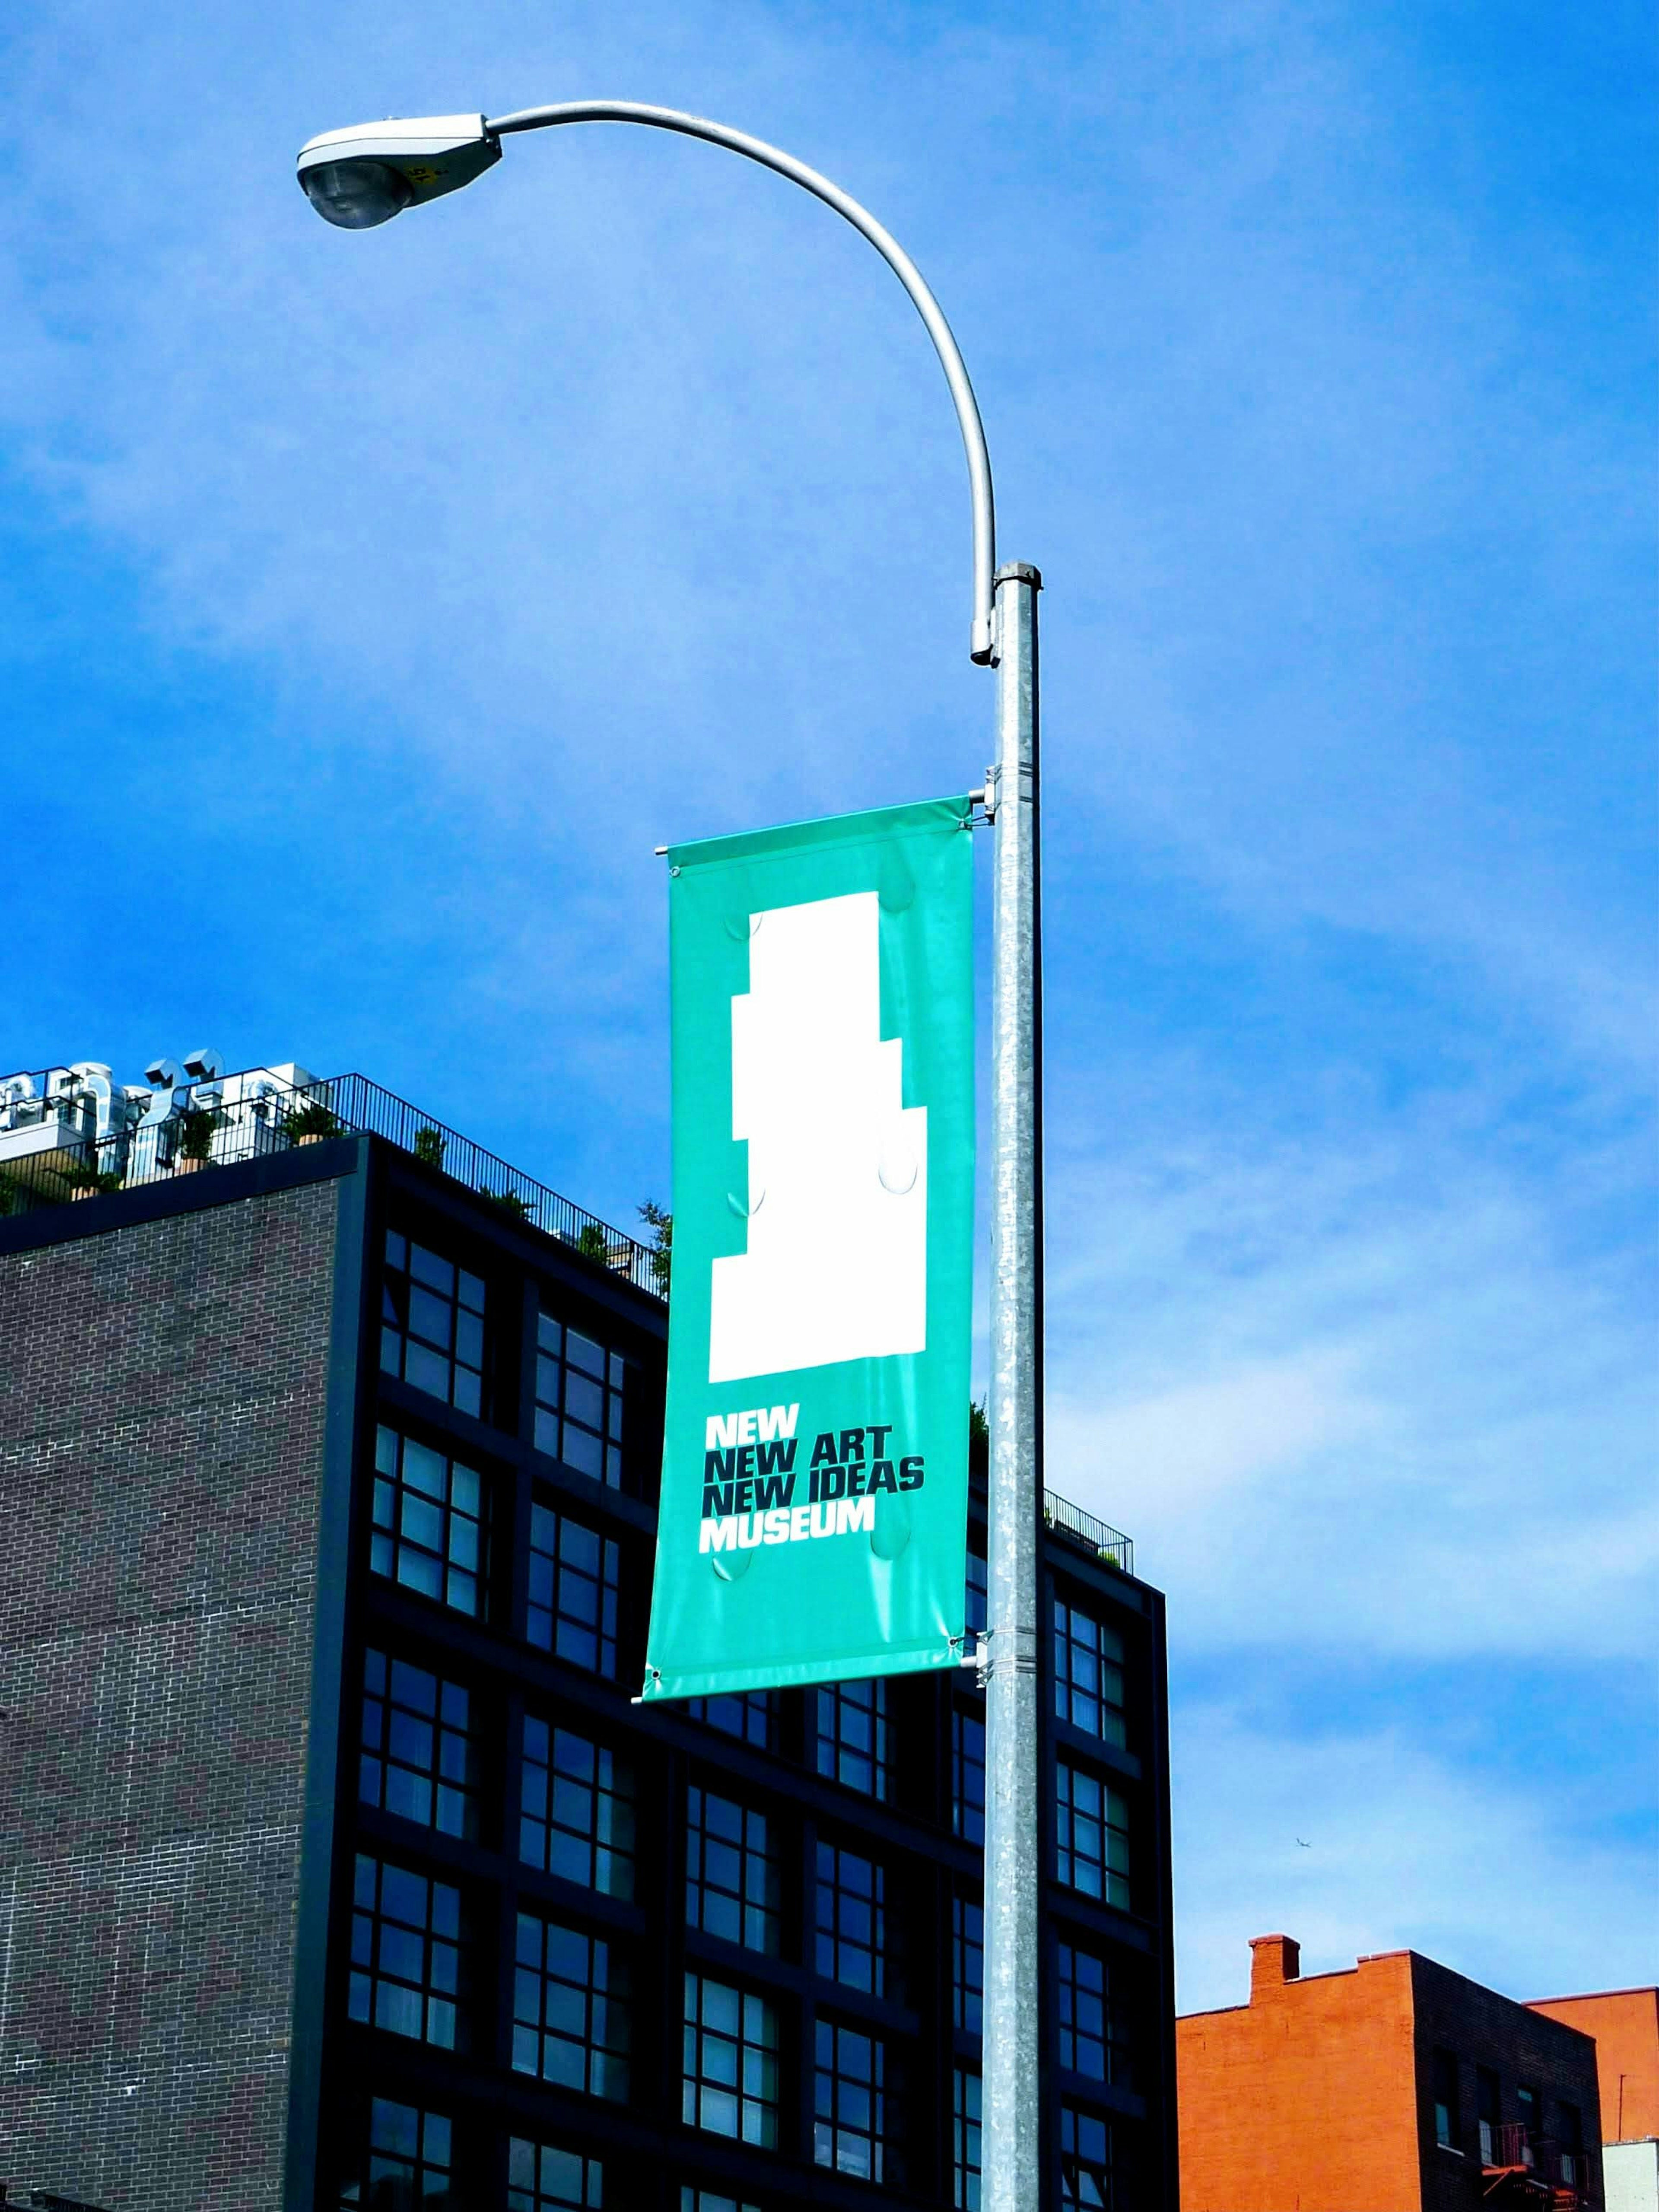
x: 944, y: 344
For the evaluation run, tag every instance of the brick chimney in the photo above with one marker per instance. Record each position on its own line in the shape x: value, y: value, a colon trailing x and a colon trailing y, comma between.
x: 1274, y: 1960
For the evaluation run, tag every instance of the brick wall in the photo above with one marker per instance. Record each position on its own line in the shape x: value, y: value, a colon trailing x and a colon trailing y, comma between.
x: 1302, y: 2100
x: 161, y: 1403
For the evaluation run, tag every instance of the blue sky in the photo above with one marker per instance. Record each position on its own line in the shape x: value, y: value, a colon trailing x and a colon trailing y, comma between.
x: 370, y: 607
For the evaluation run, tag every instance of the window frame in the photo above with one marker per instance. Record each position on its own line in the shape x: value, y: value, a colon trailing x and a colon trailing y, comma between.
x: 442, y: 1933
x: 358, y: 2196
x: 398, y: 1506
x: 606, y: 1988
x: 1103, y: 1718
x: 609, y: 1840
x: 834, y: 1752
x: 1116, y: 1881
x: 601, y: 1632
x: 590, y: 2179
x: 1443, y: 2116
x: 698, y: 2085
x: 833, y: 2113
x: 755, y: 1903
x: 467, y: 1298
x: 454, y: 1742
x: 604, y: 1426
x: 847, y: 1903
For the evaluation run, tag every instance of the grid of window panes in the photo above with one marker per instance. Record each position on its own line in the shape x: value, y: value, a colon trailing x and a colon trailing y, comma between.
x: 733, y: 1879
x: 850, y: 2093
x: 418, y: 1757
x: 1092, y: 1835
x: 967, y: 1966
x: 432, y: 1324
x: 579, y: 1388
x: 574, y: 1575
x: 542, y: 2178
x: 710, y: 2200
x: 751, y: 1716
x: 576, y: 1810
x: 572, y: 2014
x: 407, y: 2159
x: 979, y: 1600
x: 967, y: 1774
x: 966, y: 2106
x: 430, y: 1523
x: 855, y: 1736
x: 851, y: 1920
x: 1093, y: 2041
x: 405, y: 1953
x: 1085, y: 2162
x: 730, y: 2080
x: 1089, y: 1674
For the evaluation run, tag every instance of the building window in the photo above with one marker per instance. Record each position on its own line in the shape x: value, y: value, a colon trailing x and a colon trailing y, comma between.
x: 855, y: 1736
x: 418, y: 1759
x: 979, y: 1602
x: 710, y: 2200
x: 730, y: 2077
x: 408, y: 2159
x: 432, y: 1324
x: 1089, y: 1674
x: 734, y: 1883
x: 851, y: 2121
x: 967, y: 1966
x: 1528, y: 2111
x: 1091, y: 2038
x: 1444, y: 2069
x: 751, y: 1716
x: 1086, y: 2162
x: 967, y: 1774
x: 541, y: 2177
x: 579, y: 1388
x: 576, y: 1810
x: 1571, y: 2134
x: 405, y: 1953
x: 965, y: 2105
x: 574, y: 1576
x: 1486, y: 2113
x: 429, y: 1516
x: 1092, y: 1832
x: 571, y: 2011
x: 851, y: 1920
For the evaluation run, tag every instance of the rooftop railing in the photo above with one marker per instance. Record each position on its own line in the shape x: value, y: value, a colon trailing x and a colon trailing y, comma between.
x: 62, y: 1159
x: 1071, y: 1523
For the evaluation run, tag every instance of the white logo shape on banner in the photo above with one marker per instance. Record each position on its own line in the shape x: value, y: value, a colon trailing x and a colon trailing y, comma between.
x: 836, y: 1266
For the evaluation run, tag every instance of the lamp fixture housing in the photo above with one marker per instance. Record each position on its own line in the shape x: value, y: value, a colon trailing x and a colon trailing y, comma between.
x: 367, y: 173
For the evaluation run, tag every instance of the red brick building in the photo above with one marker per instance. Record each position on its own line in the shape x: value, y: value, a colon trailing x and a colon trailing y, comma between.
x: 1396, y: 2086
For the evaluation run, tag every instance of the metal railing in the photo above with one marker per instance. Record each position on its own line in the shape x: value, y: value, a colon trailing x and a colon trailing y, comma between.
x: 1082, y: 1529
x: 77, y: 1164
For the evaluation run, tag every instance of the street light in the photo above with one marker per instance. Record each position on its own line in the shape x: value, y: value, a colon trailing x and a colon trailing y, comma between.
x: 359, y: 178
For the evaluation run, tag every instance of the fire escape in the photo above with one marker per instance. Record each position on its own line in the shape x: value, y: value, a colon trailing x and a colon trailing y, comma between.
x: 1521, y: 2169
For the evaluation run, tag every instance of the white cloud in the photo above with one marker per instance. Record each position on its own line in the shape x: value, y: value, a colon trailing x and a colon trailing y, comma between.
x: 1402, y: 1851
x: 1359, y: 1392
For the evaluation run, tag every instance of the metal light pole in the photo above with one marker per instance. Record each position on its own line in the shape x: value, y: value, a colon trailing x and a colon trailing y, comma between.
x: 362, y: 176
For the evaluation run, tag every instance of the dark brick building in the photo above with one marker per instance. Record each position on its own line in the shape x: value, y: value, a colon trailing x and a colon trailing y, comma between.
x: 337, y: 1867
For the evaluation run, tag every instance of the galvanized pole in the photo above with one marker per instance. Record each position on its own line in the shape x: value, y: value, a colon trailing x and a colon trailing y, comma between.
x: 1011, y: 2148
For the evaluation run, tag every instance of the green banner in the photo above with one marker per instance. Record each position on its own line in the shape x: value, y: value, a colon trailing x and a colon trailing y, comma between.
x: 813, y: 1524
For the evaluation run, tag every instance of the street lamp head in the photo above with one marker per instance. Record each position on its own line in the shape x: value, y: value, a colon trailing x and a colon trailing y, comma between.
x: 363, y: 176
